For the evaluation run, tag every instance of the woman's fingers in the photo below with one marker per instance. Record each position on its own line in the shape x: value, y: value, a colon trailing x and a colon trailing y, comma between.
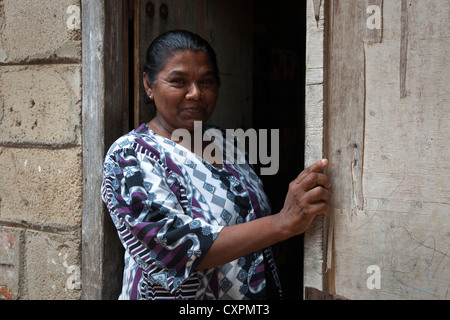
x: 316, y: 209
x: 315, y: 201
x: 314, y: 168
x: 314, y: 180
x: 307, y: 197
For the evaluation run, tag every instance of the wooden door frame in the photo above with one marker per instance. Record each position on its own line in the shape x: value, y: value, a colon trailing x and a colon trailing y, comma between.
x: 331, y: 93
x: 316, y: 254
x: 103, y: 113
x: 104, y: 110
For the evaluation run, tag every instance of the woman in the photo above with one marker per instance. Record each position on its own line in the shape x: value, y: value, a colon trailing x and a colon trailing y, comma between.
x: 197, y: 229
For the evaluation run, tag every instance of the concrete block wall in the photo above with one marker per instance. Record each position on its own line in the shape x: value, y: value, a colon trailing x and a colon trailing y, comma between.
x: 40, y: 149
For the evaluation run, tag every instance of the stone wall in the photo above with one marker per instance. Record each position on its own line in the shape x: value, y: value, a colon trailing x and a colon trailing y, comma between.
x: 40, y: 149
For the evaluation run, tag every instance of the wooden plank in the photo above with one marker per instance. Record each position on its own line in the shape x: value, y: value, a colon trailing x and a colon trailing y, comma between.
x: 344, y: 113
x: 314, y: 99
x: 405, y: 184
x: 116, y: 104
x: 103, y: 102
x: 345, y: 105
x: 402, y: 227
x: 93, y: 20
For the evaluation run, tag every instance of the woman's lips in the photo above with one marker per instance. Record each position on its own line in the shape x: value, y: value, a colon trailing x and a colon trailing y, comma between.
x: 195, y: 110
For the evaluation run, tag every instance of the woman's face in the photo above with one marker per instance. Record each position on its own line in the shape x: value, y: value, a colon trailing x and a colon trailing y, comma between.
x: 185, y: 91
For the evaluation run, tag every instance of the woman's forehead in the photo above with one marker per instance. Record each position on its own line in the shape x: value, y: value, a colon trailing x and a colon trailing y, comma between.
x: 187, y: 61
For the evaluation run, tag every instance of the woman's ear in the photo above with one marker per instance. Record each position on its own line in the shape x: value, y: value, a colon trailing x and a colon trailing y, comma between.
x: 148, y: 88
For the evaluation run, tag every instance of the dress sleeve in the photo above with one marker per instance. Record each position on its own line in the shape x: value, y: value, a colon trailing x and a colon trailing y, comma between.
x: 166, y: 241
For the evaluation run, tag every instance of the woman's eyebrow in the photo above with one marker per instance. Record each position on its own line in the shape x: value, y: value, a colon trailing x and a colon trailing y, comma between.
x: 176, y: 73
x: 179, y: 73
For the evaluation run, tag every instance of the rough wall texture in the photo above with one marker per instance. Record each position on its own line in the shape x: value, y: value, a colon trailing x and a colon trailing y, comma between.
x: 40, y: 149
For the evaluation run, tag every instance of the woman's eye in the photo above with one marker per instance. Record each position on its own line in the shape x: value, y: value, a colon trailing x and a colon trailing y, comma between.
x: 207, y: 82
x: 178, y: 81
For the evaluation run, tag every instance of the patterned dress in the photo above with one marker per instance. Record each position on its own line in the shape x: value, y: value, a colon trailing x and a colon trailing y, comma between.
x: 168, y: 211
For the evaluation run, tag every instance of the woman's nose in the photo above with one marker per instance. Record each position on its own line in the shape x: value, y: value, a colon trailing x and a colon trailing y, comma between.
x: 194, y: 92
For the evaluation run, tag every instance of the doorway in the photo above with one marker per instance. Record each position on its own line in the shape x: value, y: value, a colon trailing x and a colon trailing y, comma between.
x: 261, y: 50
x: 279, y: 44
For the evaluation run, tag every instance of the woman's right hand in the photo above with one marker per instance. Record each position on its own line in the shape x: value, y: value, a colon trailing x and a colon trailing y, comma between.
x: 308, y: 196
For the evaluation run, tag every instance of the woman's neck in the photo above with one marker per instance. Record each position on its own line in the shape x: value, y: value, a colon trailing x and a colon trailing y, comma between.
x: 161, y: 128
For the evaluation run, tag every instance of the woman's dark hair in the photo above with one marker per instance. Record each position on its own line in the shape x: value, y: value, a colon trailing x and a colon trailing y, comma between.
x: 170, y: 43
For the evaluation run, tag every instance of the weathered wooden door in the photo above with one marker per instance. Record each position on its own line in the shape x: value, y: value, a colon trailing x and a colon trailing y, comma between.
x: 385, y: 98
